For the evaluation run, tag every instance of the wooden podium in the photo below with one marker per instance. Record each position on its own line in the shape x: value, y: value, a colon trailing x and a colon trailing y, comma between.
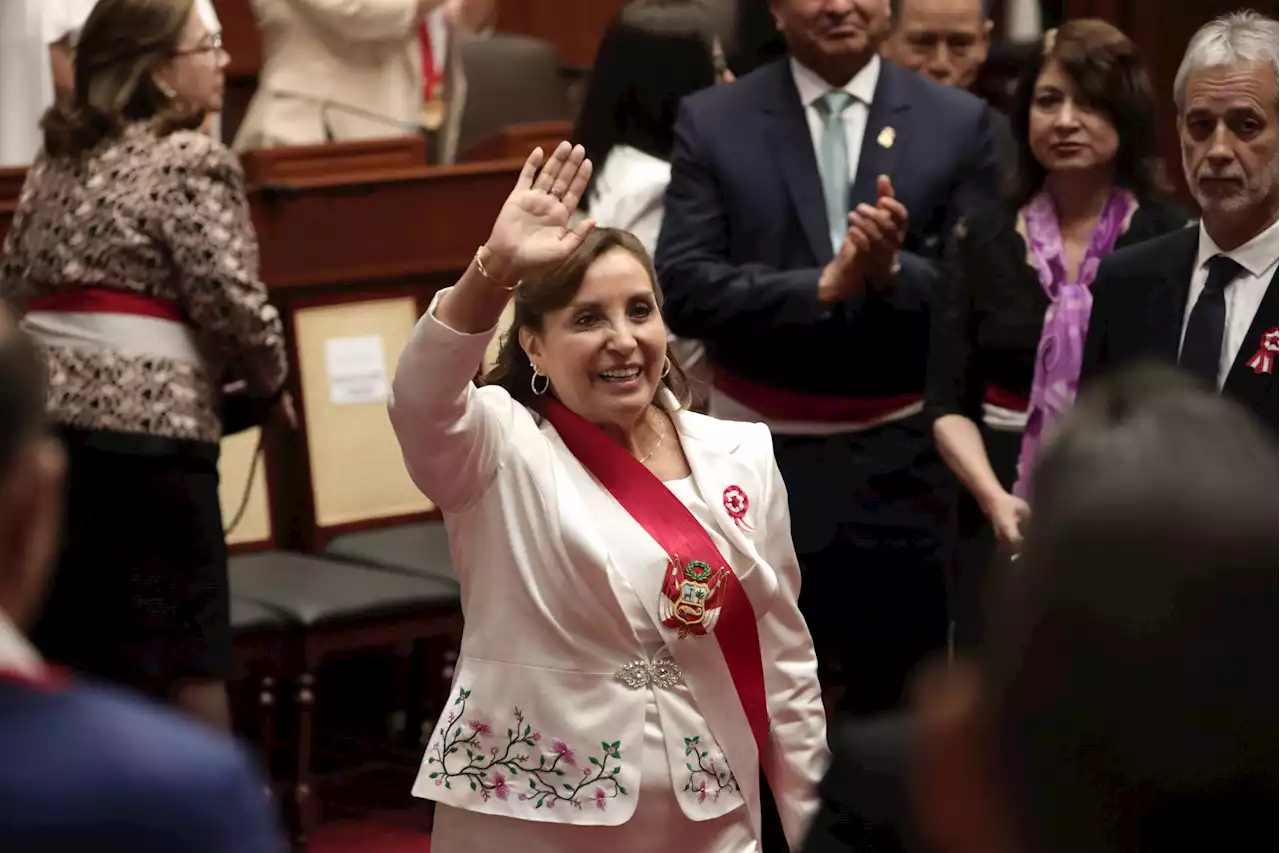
x: 355, y: 239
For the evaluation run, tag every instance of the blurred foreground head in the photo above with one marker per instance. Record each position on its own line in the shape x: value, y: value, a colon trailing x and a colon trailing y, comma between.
x: 1126, y: 700
x: 31, y: 468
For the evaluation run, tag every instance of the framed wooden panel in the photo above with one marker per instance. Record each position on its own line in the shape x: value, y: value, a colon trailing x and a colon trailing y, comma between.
x: 357, y: 472
x: 242, y: 484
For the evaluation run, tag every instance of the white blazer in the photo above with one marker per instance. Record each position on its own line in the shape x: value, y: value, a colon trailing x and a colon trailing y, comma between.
x: 364, y: 55
x: 549, y: 563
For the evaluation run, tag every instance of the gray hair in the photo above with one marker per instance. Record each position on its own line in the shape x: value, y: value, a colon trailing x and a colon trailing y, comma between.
x: 1236, y: 37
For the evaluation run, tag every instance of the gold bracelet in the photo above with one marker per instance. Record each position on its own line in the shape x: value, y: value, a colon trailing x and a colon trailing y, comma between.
x: 485, y: 273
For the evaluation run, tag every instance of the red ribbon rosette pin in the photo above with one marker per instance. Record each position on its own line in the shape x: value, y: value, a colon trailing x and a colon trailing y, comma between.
x: 736, y: 503
x: 1264, y: 360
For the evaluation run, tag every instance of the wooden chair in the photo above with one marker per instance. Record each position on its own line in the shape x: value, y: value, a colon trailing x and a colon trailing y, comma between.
x: 293, y: 610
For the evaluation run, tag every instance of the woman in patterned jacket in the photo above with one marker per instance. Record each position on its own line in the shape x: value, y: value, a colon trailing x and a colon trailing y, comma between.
x: 133, y: 262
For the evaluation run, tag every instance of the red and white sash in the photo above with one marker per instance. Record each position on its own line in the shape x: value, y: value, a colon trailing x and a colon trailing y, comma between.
x: 91, y: 316
x: 674, y: 528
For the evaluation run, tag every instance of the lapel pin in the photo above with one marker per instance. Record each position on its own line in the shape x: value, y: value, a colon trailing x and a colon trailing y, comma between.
x: 886, y: 137
x: 736, y: 504
x: 1264, y: 360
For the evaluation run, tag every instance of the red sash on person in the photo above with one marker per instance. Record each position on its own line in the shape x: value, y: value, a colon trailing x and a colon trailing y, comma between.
x: 90, y: 299
x: 432, y: 80
x: 688, y: 546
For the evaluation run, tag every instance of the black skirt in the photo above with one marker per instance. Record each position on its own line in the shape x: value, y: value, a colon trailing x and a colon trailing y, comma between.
x: 975, y: 559
x: 140, y: 597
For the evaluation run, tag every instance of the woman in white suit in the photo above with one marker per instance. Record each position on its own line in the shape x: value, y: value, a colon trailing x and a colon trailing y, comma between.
x: 633, y: 652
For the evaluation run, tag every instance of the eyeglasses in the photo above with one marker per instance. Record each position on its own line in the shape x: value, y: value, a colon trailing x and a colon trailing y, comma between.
x: 211, y: 43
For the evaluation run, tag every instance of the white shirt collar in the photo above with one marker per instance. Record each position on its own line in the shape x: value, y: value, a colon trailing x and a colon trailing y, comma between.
x: 1257, y: 256
x: 16, y: 653
x: 812, y: 87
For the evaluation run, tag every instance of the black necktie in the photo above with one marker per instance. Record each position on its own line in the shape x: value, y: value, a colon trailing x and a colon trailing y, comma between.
x: 1202, y: 344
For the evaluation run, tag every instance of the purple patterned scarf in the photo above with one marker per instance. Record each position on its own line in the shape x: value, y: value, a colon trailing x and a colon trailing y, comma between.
x: 1061, y: 350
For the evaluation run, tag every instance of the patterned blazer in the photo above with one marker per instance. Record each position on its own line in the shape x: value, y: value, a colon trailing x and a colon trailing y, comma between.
x: 135, y: 267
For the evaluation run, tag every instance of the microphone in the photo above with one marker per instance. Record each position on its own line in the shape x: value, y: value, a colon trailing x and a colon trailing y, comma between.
x: 327, y: 104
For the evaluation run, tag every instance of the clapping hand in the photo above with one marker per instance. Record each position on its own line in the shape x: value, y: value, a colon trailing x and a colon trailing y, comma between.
x: 884, y: 229
x: 532, y: 229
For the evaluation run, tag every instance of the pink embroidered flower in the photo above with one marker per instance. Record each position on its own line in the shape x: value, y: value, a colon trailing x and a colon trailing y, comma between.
x: 702, y: 791
x: 601, y: 798
x: 612, y: 750
x: 551, y: 803
x: 479, y: 727
x: 563, y: 752
x: 535, y: 737
x: 500, y: 789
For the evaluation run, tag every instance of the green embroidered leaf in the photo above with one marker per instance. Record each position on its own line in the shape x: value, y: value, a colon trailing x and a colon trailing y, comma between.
x: 704, y: 755
x: 538, y: 805
x: 595, y: 761
x: 616, y: 771
x: 473, y: 784
x: 568, y: 787
x: 527, y: 730
x: 618, y: 755
x: 721, y: 774
x: 452, y: 750
x: 448, y: 785
x: 510, y: 734
x: 559, y: 772
x: 621, y: 790
x: 433, y: 775
x: 466, y: 694
x: 616, y: 744
x: 533, y: 784
x: 690, y: 766
x: 604, y: 746
x: 687, y: 787
x: 457, y: 731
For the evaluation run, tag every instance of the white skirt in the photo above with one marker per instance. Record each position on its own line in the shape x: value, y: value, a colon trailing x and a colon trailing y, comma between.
x: 659, y: 825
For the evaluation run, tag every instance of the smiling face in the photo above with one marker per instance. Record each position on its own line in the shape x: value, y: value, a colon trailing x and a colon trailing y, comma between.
x: 604, y: 353
x: 1065, y: 132
x: 832, y: 37
x: 1228, y: 130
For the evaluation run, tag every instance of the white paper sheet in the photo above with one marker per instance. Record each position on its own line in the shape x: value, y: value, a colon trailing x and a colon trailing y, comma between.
x: 357, y: 369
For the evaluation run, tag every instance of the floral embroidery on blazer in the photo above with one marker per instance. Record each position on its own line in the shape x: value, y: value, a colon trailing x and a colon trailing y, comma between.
x: 494, y: 763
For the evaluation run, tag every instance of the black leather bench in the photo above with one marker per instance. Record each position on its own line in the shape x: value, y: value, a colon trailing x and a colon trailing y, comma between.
x: 419, y: 549
x: 332, y: 607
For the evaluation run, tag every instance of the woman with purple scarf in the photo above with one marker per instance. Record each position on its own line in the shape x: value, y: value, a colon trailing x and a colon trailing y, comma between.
x: 1012, y: 306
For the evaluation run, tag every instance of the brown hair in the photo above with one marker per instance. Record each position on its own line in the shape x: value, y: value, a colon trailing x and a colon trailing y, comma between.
x: 121, y: 43
x: 1110, y: 76
x: 553, y: 289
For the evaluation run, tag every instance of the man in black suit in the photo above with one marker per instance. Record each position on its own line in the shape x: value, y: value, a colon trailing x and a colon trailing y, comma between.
x: 1205, y: 297
x: 805, y: 203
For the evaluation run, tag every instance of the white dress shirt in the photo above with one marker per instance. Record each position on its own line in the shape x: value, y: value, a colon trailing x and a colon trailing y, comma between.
x: 863, y: 88
x: 1258, y: 257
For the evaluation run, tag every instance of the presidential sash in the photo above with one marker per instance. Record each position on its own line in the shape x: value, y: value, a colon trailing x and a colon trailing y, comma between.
x: 699, y: 580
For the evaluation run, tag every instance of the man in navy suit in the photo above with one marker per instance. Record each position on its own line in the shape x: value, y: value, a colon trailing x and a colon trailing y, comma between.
x: 87, y: 769
x: 805, y: 205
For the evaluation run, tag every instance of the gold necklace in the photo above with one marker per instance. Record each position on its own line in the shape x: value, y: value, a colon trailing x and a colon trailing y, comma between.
x: 662, y: 433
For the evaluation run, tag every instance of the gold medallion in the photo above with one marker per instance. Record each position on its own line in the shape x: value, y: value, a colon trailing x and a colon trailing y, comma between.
x: 433, y: 112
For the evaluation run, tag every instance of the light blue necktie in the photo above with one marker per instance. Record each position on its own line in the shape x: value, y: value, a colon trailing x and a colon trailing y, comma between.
x: 835, y: 163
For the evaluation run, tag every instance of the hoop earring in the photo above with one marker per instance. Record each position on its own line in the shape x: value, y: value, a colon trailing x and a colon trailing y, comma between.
x: 533, y: 382
x: 666, y: 367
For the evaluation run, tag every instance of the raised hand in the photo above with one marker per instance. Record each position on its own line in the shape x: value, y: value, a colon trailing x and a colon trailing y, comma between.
x: 532, y: 229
